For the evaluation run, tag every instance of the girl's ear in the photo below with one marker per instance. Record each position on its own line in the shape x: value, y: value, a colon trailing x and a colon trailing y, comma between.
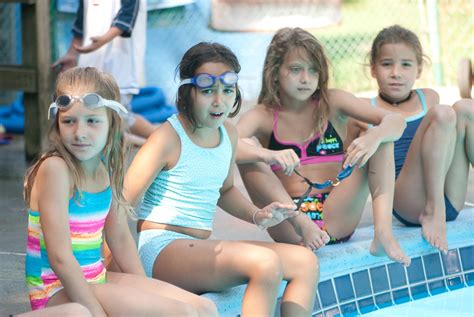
x: 372, y: 71
x: 418, y: 74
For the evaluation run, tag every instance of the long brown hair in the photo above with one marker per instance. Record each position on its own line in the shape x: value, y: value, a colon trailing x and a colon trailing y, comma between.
x: 114, y: 152
x: 285, y: 40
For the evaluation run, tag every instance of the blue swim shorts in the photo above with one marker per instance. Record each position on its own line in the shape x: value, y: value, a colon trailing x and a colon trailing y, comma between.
x: 451, y: 214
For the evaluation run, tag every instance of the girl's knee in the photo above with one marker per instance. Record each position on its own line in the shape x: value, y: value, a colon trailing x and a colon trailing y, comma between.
x: 443, y: 116
x: 75, y: 309
x: 267, y: 267
x: 464, y: 109
x: 206, y: 307
x: 308, y: 262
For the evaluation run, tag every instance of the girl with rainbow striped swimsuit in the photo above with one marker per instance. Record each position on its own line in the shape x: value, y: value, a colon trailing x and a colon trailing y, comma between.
x: 74, y: 195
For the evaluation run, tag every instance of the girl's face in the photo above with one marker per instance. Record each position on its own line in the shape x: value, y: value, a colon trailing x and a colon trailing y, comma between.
x: 211, y: 106
x: 396, y: 70
x: 84, y: 131
x: 298, y: 77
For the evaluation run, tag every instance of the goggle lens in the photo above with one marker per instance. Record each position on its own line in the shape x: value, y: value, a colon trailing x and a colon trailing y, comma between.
x: 229, y: 78
x: 91, y: 100
x: 63, y: 101
x: 205, y: 80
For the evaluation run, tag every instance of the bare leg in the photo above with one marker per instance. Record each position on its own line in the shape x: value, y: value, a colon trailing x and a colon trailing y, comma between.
x: 382, y: 186
x: 419, y: 189
x: 209, y: 265
x: 455, y: 187
x: 64, y: 310
x: 347, y: 202
x: 130, y: 295
x: 263, y: 188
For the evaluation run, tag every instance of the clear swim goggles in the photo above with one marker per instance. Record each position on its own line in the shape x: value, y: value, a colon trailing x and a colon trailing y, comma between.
x: 205, y: 80
x: 90, y: 100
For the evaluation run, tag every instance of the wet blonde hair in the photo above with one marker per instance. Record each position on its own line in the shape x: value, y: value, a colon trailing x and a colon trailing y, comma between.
x: 114, y: 152
x: 282, y: 43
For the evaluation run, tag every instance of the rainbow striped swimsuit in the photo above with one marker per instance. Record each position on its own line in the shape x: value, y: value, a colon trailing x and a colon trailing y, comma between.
x: 86, y: 221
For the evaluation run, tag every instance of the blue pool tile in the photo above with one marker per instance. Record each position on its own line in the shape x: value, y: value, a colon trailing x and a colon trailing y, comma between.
x: 415, y: 271
x: 437, y: 287
x: 326, y: 293
x: 318, y: 315
x: 469, y: 277
x: 349, y: 309
x: 451, y: 262
x: 396, y: 272
x: 316, y: 305
x: 467, y: 257
x: 419, y: 291
x: 362, y: 283
x: 432, y: 266
x: 366, y: 305
x: 383, y: 300
x: 401, y: 296
x: 344, y: 288
x: 379, y: 279
x: 332, y: 312
x: 455, y: 282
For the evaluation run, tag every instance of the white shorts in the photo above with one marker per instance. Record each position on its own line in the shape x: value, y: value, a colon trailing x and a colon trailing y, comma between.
x: 152, y: 241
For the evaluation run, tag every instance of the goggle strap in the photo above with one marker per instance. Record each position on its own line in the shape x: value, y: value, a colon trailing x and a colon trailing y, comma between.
x: 112, y: 104
x: 186, y: 81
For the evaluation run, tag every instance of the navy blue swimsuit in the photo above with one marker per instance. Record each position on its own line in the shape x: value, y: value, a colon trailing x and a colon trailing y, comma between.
x: 401, y: 147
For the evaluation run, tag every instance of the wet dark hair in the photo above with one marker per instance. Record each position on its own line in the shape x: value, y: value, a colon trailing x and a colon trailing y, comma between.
x: 397, y: 34
x: 195, y: 57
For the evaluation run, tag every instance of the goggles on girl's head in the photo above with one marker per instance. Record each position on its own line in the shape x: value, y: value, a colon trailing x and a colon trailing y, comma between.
x: 204, y: 80
x: 90, y: 100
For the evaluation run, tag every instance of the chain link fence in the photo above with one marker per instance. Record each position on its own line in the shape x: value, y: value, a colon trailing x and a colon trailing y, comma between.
x: 445, y: 28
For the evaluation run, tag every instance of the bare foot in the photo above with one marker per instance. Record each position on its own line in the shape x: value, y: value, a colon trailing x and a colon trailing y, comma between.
x: 313, y: 237
x: 384, y: 244
x: 433, y: 229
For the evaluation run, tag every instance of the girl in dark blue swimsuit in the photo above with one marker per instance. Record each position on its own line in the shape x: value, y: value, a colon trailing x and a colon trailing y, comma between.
x: 433, y: 156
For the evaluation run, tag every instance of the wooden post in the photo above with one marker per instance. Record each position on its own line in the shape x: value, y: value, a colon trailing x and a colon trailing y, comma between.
x: 34, y: 75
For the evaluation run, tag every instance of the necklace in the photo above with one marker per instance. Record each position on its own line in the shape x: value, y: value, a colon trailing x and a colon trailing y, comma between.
x: 395, y: 103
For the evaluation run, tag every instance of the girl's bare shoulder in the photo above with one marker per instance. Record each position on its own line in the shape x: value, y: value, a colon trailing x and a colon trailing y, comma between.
x: 164, y: 137
x: 431, y: 96
x: 53, y: 166
x: 259, y: 112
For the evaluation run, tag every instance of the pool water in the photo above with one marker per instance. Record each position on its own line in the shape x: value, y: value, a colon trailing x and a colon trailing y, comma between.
x: 458, y: 303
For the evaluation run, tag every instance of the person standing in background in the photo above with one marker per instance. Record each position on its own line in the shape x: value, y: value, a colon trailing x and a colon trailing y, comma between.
x: 111, y: 36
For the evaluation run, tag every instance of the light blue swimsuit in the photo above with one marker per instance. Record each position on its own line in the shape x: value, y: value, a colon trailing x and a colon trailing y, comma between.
x: 186, y: 195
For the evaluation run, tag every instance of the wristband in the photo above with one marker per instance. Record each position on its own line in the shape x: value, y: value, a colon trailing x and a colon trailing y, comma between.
x: 255, y: 220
